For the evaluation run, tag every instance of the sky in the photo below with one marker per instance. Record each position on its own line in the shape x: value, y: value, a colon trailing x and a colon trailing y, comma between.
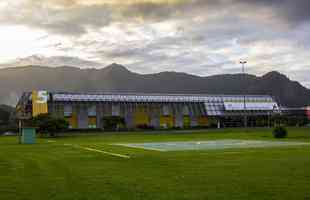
x: 202, y: 37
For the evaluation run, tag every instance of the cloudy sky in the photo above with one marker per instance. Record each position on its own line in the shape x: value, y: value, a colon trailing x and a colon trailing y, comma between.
x: 202, y: 37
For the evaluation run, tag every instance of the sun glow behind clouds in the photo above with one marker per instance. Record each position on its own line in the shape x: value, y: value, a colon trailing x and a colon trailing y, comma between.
x: 19, y: 41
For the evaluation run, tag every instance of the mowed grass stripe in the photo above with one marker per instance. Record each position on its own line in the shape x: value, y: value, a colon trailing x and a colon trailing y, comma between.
x: 98, y: 151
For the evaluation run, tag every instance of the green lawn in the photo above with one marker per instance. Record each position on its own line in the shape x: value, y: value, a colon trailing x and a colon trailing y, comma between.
x: 52, y: 170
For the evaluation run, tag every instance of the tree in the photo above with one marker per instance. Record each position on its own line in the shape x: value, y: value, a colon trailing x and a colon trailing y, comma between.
x: 46, y: 124
x: 279, y: 132
x: 4, y: 116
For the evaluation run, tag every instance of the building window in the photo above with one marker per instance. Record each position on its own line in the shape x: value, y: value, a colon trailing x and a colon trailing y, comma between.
x: 166, y: 110
x: 185, y: 110
x: 67, y: 110
x: 116, y: 110
x: 92, y: 110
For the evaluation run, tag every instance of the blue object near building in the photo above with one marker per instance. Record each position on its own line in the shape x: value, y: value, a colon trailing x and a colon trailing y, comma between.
x: 28, y: 136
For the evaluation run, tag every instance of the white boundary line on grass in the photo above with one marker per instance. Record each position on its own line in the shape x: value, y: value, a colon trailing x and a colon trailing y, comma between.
x: 136, y: 147
x: 99, y: 151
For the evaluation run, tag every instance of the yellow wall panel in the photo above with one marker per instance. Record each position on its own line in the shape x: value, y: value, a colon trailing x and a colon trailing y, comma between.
x: 92, y: 120
x: 203, y: 121
x: 166, y: 121
x: 141, y: 118
x: 74, y: 120
x: 39, y: 103
x: 186, y: 121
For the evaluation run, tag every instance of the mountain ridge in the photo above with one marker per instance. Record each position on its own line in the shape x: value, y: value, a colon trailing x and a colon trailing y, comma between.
x: 117, y: 78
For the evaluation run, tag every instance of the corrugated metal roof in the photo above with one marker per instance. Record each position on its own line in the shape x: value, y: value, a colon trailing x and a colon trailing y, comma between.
x: 257, y: 106
x: 157, y: 98
x: 215, y: 105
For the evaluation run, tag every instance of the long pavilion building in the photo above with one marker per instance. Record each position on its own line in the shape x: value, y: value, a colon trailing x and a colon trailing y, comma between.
x: 87, y: 110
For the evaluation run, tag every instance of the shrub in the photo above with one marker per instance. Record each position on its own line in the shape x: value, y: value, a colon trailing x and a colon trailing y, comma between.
x: 46, y: 124
x: 279, y: 132
x: 145, y: 127
x: 113, y: 123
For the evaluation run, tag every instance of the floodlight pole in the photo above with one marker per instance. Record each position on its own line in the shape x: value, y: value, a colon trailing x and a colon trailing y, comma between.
x: 243, y: 62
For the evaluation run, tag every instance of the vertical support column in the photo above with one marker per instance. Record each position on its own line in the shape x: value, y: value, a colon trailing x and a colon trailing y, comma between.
x: 218, y: 123
x: 128, y: 115
x: 82, y: 112
x: 193, y: 115
x: 99, y: 114
x: 155, y: 115
x: 179, y: 118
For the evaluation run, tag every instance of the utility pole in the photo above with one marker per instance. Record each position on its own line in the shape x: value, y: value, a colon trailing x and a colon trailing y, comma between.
x: 243, y: 62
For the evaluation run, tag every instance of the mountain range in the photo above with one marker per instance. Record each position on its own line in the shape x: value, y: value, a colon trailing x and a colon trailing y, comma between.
x: 117, y: 78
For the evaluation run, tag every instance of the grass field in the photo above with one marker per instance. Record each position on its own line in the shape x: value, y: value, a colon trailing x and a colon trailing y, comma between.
x: 67, y: 168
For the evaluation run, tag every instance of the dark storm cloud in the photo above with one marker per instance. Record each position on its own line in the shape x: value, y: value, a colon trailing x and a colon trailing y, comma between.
x: 150, y: 11
x: 289, y: 11
x: 294, y: 11
x: 71, y: 18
